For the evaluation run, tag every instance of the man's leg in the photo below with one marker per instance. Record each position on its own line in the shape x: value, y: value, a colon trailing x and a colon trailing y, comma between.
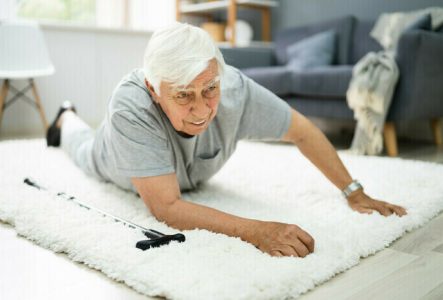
x: 77, y: 140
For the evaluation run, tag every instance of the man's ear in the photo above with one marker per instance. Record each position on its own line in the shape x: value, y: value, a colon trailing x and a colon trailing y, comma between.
x: 151, y: 91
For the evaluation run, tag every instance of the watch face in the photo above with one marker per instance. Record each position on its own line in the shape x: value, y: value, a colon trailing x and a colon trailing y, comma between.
x: 353, y: 186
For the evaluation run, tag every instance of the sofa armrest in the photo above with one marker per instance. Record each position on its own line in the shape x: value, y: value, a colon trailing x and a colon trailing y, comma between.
x: 419, y: 91
x: 248, y: 57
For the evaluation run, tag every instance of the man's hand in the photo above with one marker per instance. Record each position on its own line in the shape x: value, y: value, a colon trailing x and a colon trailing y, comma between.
x: 279, y: 239
x: 362, y: 203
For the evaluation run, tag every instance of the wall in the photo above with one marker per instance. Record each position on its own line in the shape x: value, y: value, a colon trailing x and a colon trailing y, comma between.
x: 298, y: 12
x: 89, y: 63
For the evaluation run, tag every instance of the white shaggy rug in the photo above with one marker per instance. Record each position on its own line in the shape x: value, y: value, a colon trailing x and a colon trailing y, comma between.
x: 262, y: 181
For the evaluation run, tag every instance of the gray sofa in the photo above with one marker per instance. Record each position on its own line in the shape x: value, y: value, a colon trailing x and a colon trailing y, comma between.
x: 321, y: 91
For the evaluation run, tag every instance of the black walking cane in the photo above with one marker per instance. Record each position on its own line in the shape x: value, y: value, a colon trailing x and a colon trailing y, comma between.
x: 156, y: 239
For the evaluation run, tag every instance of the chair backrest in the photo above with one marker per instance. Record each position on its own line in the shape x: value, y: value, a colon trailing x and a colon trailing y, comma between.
x: 23, y: 52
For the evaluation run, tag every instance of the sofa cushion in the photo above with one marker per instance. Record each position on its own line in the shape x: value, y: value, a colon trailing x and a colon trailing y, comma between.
x: 423, y: 22
x: 362, y: 42
x: 314, y: 51
x: 327, y: 82
x: 389, y: 27
x: 276, y: 78
x: 342, y: 26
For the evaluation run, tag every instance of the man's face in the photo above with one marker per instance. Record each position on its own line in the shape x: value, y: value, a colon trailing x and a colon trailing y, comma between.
x: 191, y: 108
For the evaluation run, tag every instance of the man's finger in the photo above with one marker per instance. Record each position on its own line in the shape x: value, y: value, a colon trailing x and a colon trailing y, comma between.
x: 398, y: 210
x: 364, y: 210
x: 276, y: 253
x: 301, y: 248
x: 307, y: 240
x: 381, y: 208
x: 288, y: 250
x: 403, y: 211
x: 292, y: 250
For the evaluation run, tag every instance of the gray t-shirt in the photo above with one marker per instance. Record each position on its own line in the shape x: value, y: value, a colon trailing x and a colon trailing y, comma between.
x: 136, y: 139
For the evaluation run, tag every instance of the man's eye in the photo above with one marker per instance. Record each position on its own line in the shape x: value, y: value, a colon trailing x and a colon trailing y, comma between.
x: 210, y: 92
x: 182, y: 95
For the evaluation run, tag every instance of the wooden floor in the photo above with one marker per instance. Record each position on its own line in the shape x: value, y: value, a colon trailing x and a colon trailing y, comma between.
x: 411, y: 268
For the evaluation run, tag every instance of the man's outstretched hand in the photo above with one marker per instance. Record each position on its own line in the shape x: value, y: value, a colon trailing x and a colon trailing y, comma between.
x: 280, y: 239
x: 362, y: 203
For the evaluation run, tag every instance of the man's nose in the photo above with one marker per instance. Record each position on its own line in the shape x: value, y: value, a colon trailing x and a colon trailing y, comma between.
x: 201, y: 108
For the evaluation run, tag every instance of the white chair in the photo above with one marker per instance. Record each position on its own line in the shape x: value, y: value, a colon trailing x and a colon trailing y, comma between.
x: 23, y: 56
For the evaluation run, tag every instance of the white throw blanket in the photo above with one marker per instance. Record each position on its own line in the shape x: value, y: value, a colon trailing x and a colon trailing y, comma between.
x: 374, y: 79
x: 389, y: 27
x: 369, y: 95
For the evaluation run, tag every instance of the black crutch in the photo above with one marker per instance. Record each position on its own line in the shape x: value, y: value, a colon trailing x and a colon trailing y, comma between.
x: 156, y: 239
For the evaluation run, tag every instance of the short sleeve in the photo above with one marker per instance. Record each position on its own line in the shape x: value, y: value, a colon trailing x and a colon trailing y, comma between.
x: 139, y: 148
x: 265, y: 116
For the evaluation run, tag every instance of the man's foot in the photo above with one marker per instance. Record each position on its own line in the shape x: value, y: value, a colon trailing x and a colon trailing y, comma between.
x: 53, y: 134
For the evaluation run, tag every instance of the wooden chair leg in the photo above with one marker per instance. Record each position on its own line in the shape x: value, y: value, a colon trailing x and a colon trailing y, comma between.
x: 39, y: 104
x: 436, y: 125
x: 390, y: 139
x: 3, y: 95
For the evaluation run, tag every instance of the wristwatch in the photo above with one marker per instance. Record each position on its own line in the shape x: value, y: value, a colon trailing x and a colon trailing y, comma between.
x: 352, y: 187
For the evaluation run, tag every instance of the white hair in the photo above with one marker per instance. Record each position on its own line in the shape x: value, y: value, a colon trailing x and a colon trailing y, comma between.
x: 178, y: 53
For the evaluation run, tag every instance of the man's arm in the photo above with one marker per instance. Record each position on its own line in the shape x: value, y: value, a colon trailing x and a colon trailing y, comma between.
x: 161, y: 194
x: 316, y: 147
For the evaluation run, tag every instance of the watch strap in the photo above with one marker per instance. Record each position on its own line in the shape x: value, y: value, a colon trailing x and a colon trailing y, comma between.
x: 352, y: 187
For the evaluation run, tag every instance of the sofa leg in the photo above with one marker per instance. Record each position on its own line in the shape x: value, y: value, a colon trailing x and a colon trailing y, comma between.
x: 390, y: 139
x: 436, y: 125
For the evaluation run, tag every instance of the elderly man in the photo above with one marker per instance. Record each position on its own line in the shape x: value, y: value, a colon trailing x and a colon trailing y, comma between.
x: 174, y: 123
